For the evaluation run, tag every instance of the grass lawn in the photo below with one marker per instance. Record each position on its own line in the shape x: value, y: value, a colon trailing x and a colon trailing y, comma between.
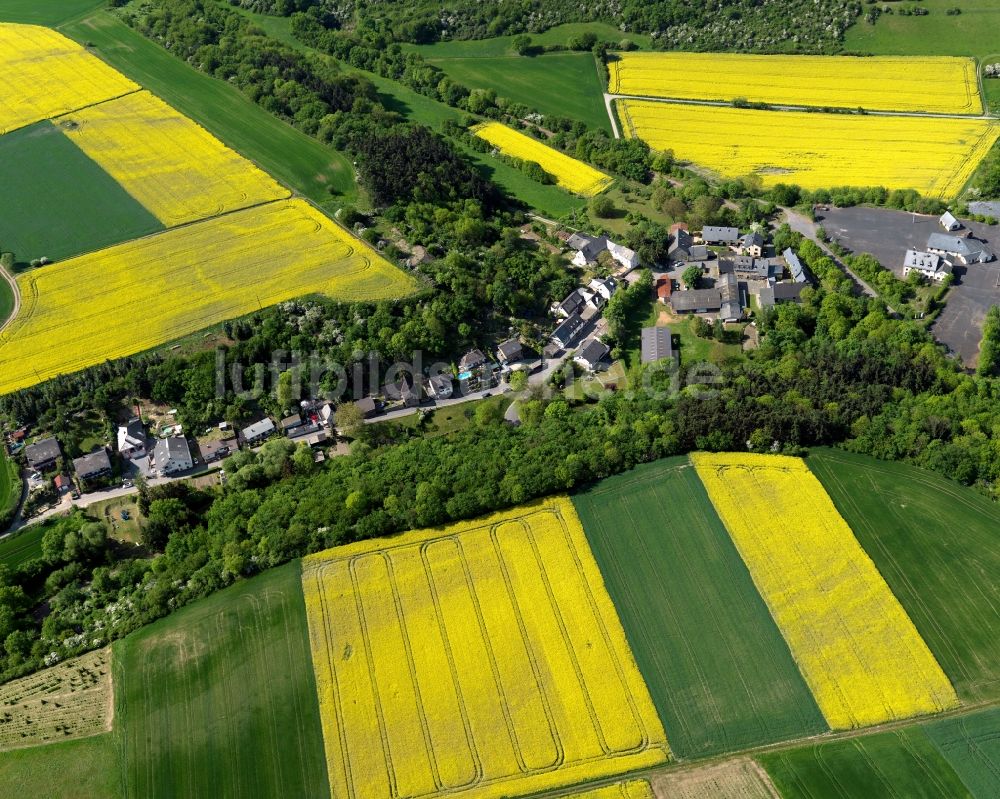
x: 971, y: 744
x: 719, y: 671
x: 301, y: 162
x: 935, y: 542
x: 891, y: 764
x: 219, y: 699
x: 109, y: 511
x: 557, y: 84
x: 693, y: 349
x: 503, y: 45
x: 24, y: 546
x: 88, y: 767
x: 10, y: 483
x: 972, y: 33
x: 547, y: 199
x: 46, y: 12
x: 57, y: 202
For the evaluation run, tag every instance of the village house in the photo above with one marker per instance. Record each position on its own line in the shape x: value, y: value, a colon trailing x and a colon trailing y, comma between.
x: 770, y: 296
x: 62, y: 483
x: 290, y: 423
x: 440, y: 386
x: 745, y: 267
x: 473, y: 359
x: 657, y: 345
x: 957, y: 249
x: 405, y: 390
x: 588, y: 248
x: 90, y: 467
x: 663, y: 287
x: 795, y: 267
x: 751, y: 244
x: 258, y: 432
x: 949, y: 222
x: 927, y: 265
x: 132, y: 439
x: 367, y: 406
x: 683, y: 249
x: 42, y: 454
x: 712, y: 234
x: 591, y: 354
x: 603, y: 289
x: 573, y: 304
x: 311, y: 435
x: 212, y: 450
x: 510, y: 351
x: 172, y: 455
x: 567, y: 332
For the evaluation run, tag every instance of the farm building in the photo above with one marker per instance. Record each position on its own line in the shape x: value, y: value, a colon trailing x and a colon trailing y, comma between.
x: 90, y: 467
x: 949, y: 222
x: 780, y: 292
x: 258, y: 432
x: 926, y: 264
x: 591, y: 354
x: 171, y: 455
x: 564, y: 335
x: 132, y: 439
x: 959, y: 249
x: 657, y: 344
x: 723, y: 299
x: 711, y: 234
x: 664, y: 288
x: 682, y: 248
x: 745, y: 267
x: 42, y: 454
x: 751, y: 244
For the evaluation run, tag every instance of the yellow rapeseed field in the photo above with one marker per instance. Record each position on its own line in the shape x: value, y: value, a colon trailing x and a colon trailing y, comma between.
x: 937, y: 84
x: 934, y: 155
x: 173, y: 167
x: 481, y: 659
x: 572, y: 175
x: 43, y: 74
x: 857, y: 649
x: 633, y: 789
x: 138, y: 295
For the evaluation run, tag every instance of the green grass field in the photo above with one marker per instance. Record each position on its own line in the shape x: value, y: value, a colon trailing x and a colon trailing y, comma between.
x: 83, y: 769
x: 935, y: 542
x: 894, y: 765
x: 24, y: 546
x: 57, y: 202
x: 974, y: 32
x: 46, y: 12
x: 971, y: 744
x: 718, y: 669
x: 547, y: 199
x: 301, y: 162
x: 219, y: 699
x: 559, y: 84
x: 10, y: 484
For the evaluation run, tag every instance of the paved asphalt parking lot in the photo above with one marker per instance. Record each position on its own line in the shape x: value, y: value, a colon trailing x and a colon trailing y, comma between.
x: 889, y: 234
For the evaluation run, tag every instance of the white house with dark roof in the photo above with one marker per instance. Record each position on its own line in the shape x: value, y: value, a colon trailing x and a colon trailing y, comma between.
x: 588, y: 248
x: 751, y: 244
x: 795, y: 266
x: 132, y: 439
x: 171, y: 455
x: 573, y: 304
x: 510, y: 351
x: 567, y: 332
x: 592, y: 354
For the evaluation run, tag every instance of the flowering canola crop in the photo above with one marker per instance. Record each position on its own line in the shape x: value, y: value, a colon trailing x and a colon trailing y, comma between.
x: 44, y: 74
x: 134, y: 296
x: 934, y: 155
x: 857, y: 649
x: 481, y: 659
x: 938, y: 84
x: 633, y: 789
x: 572, y: 175
x: 173, y: 167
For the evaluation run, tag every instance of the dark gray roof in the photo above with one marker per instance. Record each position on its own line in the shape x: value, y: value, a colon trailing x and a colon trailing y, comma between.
x: 966, y: 248
x: 579, y: 240
x: 781, y: 292
x: 567, y: 332
x: 94, y: 463
x: 746, y: 266
x: 696, y: 300
x: 593, y: 352
x: 751, y: 240
x: 572, y: 303
x: 728, y: 235
x: 42, y: 451
x: 657, y: 344
x: 366, y: 405
x: 511, y: 349
x: 209, y: 449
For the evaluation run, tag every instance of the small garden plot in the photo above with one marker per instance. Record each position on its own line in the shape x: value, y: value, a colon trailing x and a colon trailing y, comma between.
x: 69, y: 700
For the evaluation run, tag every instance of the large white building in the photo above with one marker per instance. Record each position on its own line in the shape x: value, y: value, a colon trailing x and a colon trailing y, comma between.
x: 926, y: 264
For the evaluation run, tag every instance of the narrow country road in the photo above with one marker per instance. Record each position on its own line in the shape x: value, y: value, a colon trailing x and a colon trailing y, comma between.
x: 9, y: 278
